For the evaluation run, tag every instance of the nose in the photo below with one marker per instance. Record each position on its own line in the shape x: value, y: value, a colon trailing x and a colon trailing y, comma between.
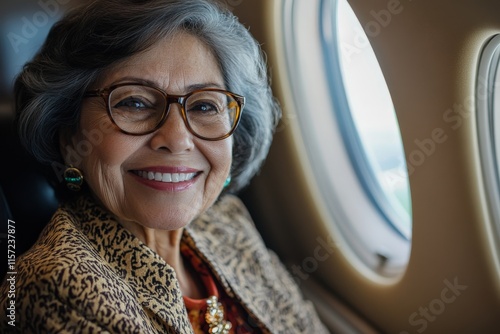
x: 173, y: 135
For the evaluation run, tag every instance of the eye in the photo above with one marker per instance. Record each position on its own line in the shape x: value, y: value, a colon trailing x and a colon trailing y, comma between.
x: 203, y: 107
x: 132, y: 103
x: 135, y: 108
x: 206, y: 103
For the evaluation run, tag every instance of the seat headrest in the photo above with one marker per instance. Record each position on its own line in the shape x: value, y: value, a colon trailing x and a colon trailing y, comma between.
x: 27, y: 198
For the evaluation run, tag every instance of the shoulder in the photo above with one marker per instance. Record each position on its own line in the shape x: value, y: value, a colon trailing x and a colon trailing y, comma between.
x: 58, y: 278
x: 227, y: 237
x: 60, y: 246
x: 55, y: 250
x: 55, y: 259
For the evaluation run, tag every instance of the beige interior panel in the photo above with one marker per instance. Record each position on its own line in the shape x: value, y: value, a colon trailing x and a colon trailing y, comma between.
x: 429, y: 53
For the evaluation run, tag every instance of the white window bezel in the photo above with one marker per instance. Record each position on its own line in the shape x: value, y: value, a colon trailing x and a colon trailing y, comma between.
x: 488, y: 131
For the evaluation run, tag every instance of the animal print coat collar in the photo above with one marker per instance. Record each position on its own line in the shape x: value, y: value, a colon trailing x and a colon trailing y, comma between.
x: 227, y: 240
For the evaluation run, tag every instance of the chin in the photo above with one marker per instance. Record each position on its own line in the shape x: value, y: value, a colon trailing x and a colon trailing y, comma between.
x: 167, y: 222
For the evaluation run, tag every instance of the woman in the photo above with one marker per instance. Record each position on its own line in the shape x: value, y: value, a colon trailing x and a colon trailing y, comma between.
x: 138, y: 106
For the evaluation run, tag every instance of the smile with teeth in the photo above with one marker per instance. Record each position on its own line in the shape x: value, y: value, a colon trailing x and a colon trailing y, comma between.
x: 165, y: 177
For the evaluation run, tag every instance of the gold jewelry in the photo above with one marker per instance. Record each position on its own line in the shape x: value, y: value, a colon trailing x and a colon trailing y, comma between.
x: 74, y: 178
x: 215, y: 317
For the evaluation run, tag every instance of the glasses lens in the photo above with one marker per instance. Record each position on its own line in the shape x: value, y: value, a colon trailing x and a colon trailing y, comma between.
x: 136, y: 109
x: 211, y: 114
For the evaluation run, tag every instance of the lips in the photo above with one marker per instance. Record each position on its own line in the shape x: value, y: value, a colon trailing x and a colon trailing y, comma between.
x: 165, y: 177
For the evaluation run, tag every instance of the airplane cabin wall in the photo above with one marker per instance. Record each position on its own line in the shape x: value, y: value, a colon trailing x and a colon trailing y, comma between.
x: 429, y: 54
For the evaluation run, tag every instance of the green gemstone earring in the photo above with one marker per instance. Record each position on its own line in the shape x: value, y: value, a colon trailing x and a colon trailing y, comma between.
x: 228, y: 181
x: 74, y: 178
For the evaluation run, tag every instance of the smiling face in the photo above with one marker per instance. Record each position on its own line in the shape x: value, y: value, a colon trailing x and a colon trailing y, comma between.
x: 165, y: 179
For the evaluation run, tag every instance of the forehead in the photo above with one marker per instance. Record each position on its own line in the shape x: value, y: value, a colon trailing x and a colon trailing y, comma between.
x: 173, y: 64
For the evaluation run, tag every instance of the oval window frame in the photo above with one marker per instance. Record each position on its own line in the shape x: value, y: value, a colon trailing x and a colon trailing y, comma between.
x: 377, y: 249
x: 489, y: 146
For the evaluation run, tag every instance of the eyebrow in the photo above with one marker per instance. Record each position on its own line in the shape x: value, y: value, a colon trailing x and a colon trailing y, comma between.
x: 147, y: 82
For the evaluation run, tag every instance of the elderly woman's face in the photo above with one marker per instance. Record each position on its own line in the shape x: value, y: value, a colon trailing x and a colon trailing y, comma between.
x: 118, y: 167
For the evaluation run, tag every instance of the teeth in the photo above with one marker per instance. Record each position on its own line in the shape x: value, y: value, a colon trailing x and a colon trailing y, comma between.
x: 166, y: 177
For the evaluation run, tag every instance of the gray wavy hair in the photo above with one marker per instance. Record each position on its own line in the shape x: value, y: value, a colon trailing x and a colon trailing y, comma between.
x: 91, y: 38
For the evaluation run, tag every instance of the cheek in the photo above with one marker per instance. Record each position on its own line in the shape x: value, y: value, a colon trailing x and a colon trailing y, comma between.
x: 103, y: 172
x: 219, y: 155
x: 101, y: 138
x: 102, y: 150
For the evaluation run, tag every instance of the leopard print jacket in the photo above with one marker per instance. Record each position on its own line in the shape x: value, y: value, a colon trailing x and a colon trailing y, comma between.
x: 87, y: 274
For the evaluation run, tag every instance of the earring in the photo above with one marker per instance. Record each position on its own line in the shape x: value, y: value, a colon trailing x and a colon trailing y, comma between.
x: 228, y: 181
x: 74, y: 178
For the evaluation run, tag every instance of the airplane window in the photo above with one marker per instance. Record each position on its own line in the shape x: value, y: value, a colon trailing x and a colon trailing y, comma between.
x: 339, y: 109
x: 373, y: 139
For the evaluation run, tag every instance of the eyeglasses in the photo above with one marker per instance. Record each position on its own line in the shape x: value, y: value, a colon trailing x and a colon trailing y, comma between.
x: 209, y: 114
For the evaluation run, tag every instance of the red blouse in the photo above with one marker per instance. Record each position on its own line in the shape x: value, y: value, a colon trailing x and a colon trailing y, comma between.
x: 233, y: 312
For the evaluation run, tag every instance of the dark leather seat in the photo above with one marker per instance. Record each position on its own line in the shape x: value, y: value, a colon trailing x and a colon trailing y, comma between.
x: 26, y: 197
